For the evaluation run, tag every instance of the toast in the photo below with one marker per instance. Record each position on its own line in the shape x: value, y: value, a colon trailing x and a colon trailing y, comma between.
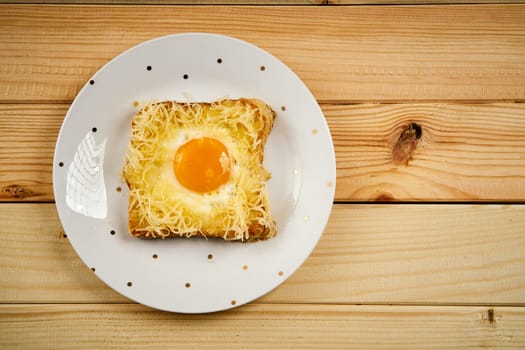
x: 196, y: 169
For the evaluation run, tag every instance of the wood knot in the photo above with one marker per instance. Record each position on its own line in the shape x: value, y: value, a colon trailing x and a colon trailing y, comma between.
x: 406, y: 144
x: 488, y: 317
x: 490, y: 314
x: 16, y: 191
x: 384, y: 197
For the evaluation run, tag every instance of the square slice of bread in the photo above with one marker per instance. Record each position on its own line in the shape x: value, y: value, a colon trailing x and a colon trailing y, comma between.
x: 160, y: 206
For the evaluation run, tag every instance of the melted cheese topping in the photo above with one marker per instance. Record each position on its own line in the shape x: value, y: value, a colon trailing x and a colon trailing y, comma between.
x: 160, y: 206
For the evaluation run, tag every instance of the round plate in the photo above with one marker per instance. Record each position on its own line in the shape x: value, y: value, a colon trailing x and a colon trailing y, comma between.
x: 191, y: 275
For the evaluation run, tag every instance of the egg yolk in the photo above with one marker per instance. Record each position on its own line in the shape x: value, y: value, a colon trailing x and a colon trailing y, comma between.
x: 202, y: 165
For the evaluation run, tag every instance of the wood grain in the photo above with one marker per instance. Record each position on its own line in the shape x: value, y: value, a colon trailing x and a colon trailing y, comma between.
x: 361, y: 53
x: 39, y: 264
x: 264, y: 2
x: 28, y: 133
x: 379, y: 254
x: 420, y: 2
x: 393, y: 276
x: 262, y: 327
x: 171, y: 2
x: 466, y: 152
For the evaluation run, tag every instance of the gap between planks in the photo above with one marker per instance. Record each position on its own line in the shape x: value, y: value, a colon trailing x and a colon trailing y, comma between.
x: 267, y: 2
x: 339, y: 102
x: 263, y: 301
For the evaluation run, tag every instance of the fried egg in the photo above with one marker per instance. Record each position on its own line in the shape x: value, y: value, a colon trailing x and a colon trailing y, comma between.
x: 199, y: 167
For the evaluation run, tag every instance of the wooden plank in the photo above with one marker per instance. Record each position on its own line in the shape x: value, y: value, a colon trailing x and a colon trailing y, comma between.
x: 420, y: 2
x: 370, y: 253
x: 361, y: 53
x: 262, y: 327
x: 170, y: 2
x: 263, y: 2
x: 465, y: 153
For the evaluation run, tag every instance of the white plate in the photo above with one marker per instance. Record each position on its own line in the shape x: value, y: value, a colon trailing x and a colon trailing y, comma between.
x: 191, y: 275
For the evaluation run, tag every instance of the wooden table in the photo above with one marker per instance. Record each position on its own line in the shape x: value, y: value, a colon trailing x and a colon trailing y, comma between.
x: 426, y: 243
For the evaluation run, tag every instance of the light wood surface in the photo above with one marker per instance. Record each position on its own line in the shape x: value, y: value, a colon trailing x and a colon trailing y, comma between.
x: 265, y: 2
x: 174, y: 2
x: 419, y: 254
x: 352, y: 54
x: 466, y: 152
x: 420, y: 2
x: 263, y: 327
x: 424, y: 103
